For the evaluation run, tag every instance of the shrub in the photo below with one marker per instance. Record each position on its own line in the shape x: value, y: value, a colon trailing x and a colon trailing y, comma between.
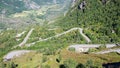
x: 58, y: 59
x: 62, y: 66
x: 71, y: 49
x: 92, y: 50
x: 2, y: 65
x: 44, y: 58
x: 89, y: 64
x: 102, y: 47
x: 70, y: 63
x: 46, y: 66
x: 12, y: 65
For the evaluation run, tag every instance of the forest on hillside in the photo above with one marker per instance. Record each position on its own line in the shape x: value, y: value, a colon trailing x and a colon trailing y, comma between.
x: 101, y: 22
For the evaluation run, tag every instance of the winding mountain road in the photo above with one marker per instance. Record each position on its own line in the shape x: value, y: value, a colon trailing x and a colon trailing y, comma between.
x: 58, y: 35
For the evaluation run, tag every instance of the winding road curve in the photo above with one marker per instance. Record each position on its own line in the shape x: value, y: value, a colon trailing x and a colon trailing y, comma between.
x: 86, y: 47
x: 58, y: 35
x: 26, y: 38
x: 16, y: 53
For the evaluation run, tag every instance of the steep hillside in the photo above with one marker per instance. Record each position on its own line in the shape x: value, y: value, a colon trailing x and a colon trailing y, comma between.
x: 56, y: 38
x: 100, y: 21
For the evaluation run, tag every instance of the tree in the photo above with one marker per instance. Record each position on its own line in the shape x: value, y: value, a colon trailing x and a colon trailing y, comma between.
x: 71, y: 49
x: 102, y: 47
x: 80, y: 65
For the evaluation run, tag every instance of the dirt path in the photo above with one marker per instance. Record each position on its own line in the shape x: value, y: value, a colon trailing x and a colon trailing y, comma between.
x: 26, y: 38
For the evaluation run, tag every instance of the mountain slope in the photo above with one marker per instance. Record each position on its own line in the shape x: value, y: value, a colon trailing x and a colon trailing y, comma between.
x: 101, y: 21
x: 98, y: 21
x: 30, y: 12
